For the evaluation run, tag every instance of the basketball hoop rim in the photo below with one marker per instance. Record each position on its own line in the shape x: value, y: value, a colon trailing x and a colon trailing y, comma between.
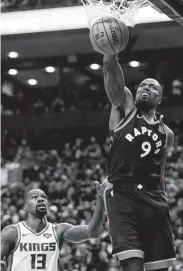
x: 96, y: 9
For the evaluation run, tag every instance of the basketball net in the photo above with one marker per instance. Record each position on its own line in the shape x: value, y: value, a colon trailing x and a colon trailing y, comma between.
x: 120, y: 9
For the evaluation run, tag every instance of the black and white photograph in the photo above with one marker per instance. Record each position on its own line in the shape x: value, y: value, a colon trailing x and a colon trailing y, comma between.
x: 91, y: 135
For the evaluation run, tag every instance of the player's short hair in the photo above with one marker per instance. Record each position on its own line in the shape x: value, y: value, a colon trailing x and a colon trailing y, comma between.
x: 155, y: 81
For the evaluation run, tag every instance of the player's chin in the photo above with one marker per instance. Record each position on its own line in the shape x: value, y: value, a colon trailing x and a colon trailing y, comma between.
x: 144, y: 104
x: 42, y: 210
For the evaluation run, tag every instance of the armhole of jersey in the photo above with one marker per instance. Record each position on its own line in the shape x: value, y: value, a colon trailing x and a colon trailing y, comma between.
x: 55, y: 234
x: 18, y: 239
x: 126, y: 120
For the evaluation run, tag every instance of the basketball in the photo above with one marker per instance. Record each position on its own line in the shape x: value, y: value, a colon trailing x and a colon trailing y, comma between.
x: 109, y: 35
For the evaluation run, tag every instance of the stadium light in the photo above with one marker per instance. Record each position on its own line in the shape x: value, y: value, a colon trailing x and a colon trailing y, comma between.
x: 13, y: 54
x: 95, y: 66
x: 134, y: 64
x: 50, y: 69
x: 32, y: 82
x: 12, y: 72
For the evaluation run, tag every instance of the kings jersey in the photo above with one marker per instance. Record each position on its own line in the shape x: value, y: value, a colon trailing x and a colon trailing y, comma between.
x: 34, y: 251
x: 136, y: 148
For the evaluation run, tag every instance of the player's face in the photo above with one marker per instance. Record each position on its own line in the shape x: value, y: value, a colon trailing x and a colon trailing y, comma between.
x: 37, y: 203
x: 149, y: 94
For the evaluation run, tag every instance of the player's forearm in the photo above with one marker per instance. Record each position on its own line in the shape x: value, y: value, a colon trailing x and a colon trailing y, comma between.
x: 81, y: 233
x: 95, y: 225
x: 114, y: 80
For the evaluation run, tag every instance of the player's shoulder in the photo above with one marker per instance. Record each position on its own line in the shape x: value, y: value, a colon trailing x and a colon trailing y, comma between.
x: 10, y: 229
x: 168, y: 130
x: 10, y: 233
x: 61, y: 228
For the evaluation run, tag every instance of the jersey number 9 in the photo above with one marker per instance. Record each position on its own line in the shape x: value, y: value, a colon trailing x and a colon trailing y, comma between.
x: 146, y: 147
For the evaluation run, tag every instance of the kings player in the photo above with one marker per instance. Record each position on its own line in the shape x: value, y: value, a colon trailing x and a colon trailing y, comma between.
x: 35, y: 244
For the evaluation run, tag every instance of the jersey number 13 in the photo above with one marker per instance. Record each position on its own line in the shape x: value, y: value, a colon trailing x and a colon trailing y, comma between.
x: 38, y: 261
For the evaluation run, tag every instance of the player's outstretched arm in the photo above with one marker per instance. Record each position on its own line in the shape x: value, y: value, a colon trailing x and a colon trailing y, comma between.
x: 9, y: 237
x: 114, y: 83
x: 119, y: 95
x: 81, y: 233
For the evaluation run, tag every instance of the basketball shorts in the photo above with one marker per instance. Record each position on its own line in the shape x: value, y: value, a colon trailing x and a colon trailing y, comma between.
x: 139, y: 226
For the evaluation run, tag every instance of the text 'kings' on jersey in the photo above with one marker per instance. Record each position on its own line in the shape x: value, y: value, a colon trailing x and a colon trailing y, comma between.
x: 34, y: 251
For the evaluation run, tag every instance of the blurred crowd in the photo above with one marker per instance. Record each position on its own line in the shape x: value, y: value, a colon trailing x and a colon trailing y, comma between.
x: 67, y: 175
x: 16, y: 100
x: 74, y: 94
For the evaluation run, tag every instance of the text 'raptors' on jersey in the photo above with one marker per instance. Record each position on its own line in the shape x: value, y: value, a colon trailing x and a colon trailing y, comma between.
x: 136, y: 147
x: 34, y: 251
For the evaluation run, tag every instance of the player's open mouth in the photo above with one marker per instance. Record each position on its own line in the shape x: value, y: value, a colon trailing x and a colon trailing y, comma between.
x: 41, y: 206
x: 145, y: 95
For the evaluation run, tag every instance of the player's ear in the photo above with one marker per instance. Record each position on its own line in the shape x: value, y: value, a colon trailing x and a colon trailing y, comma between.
x: 26, y: 208
x: 159, y: 100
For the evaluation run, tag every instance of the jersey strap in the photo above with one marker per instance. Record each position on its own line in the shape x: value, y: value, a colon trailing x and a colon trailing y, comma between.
x: 126, y: 120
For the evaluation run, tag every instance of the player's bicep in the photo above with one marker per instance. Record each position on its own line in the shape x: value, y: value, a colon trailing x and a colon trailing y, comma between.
x: 114, y: 118
x: 76, y: 234
x: 9, y: 237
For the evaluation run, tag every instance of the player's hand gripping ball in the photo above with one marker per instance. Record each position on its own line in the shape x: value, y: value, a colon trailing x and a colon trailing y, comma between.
x: 109, y: 35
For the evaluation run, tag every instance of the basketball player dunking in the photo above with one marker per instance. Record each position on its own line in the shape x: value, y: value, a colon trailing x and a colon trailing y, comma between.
x: 35, y: 244
x: 139, y: 222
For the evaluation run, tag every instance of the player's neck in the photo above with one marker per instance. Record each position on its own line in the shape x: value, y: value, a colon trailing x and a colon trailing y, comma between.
x: 36, y: 224
x: 150, y: 115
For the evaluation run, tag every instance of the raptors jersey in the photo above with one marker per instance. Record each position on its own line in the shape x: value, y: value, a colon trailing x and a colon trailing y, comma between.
x: 136, y: 147
x: 35, y: 251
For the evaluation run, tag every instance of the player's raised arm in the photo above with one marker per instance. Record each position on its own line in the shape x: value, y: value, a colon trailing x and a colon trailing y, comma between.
x: 81, y: 233
x: 114, y: 83
x: 119, y: 95
x: 9, y: 237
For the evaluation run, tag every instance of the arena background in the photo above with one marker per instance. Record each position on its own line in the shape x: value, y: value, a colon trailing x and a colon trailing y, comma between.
x: 55, y: 126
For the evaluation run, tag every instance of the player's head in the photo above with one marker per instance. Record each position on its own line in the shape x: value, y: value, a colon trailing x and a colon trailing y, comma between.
x: 36, y: 203
x: 149, y: 94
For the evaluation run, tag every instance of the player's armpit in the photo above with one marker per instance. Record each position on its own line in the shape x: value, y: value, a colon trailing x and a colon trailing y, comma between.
x: 9, y: 237
x: 119, y: 114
